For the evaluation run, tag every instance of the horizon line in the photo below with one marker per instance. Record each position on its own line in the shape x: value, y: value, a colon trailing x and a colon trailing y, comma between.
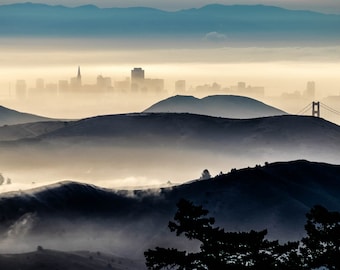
x: 166, y: 10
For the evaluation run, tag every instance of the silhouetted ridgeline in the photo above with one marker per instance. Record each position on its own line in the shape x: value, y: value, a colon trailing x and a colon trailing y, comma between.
x: 238, y: 23
x: 182, y: 130
x: 178, y: 146
x: 227, y: 106
x: 275, y: 196
x: 211, y: 133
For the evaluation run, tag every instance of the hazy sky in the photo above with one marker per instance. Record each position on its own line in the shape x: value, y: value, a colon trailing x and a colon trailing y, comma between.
x: 329, y: 6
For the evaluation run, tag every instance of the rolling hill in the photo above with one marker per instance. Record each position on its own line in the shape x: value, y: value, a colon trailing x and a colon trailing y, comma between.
x: 165, y: 146
x: 28, y: 130
x: 70, y: 215
x: 12, y: 117
x: 191, y: 130
x: 227, y: 106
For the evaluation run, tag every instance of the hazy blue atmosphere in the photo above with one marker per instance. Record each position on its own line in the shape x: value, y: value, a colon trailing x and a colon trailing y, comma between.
x: 216, y: 24
x: 328, y: 6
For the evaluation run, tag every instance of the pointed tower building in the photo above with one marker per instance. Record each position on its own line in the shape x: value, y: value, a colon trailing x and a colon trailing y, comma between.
x: 79, y: 74
x: 76, y: 81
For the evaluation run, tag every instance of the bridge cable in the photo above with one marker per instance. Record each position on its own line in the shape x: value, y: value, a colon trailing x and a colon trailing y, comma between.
x: 330, y: 109
x: 305, y: 109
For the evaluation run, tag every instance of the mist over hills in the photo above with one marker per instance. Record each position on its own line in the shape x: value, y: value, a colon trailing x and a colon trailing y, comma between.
x: 169, y: 147
x: 171, y: 129
x: 276, y: 196
x: 12, y: 117
x: 227, y: 106
x: 165, y: 146
x: 224, y: 23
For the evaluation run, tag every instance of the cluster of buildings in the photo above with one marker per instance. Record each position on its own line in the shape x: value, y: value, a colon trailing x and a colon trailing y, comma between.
x: 240, y: 89
x: 137, y: 83
x: 307, y: 94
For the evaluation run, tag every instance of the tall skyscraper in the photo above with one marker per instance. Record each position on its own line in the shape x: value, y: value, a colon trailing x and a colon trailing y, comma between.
x: 137, y: 79
x: 137, y: 74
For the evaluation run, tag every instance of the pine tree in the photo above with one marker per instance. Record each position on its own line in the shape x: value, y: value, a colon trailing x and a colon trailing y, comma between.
x: 220, y: 249
x: 321, y: 246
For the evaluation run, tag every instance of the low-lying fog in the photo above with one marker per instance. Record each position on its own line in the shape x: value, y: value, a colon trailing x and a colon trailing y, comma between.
x: 125, y: 239
x: 126, y: 168
x: 280, y: 71
x: 118, y: 168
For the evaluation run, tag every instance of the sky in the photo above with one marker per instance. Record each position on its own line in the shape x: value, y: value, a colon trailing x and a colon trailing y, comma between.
x: 326, y: 6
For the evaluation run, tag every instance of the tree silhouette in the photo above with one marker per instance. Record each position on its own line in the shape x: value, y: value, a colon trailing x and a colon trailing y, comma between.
x: 205, y: 175
x: 220, y: 249
x: 2, y: 179
x: 321, y: 246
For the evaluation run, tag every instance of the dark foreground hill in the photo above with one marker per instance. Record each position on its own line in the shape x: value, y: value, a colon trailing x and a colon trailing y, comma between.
x: 227, y: 106
x: 12, y: 117
x: 56, y: 260
x: 77, y: 216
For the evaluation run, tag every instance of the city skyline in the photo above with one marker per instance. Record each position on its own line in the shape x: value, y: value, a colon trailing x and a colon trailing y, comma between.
x: 142, y: 86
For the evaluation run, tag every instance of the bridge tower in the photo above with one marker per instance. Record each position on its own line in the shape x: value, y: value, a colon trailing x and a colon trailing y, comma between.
x: 316, y: 109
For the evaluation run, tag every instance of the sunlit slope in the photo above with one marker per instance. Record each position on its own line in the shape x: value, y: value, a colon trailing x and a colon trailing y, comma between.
x: 276, y: 196
x: 12, y: 117
x: 227, y: 106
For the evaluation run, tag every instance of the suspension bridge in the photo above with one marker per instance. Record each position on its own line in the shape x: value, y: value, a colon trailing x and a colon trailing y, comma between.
x: 315, y: 108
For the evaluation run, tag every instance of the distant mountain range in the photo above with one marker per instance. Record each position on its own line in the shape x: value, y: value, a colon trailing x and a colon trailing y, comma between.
x: 12, y: 117
x: 211, y: 23
x: 275, y: 196
x: 227, y: 106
